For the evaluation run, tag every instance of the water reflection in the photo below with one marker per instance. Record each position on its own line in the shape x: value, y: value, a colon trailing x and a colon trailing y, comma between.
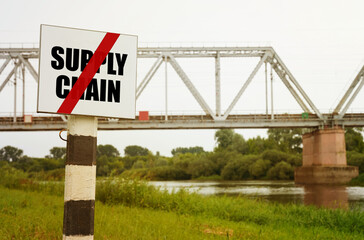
x: 326, y: 196
x: 276, y: 191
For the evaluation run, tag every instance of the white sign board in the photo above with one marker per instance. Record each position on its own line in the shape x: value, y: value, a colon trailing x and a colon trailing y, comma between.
x: 84, y: 72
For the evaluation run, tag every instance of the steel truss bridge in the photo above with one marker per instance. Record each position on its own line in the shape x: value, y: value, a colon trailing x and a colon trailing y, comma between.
x: 211, y: 119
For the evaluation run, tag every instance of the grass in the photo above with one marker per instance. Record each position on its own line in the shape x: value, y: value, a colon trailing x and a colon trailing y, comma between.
x: 131, y: 209
x: 35, y: 215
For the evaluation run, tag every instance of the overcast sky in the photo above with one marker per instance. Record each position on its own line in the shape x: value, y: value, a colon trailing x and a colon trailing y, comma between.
x: 321, y: 42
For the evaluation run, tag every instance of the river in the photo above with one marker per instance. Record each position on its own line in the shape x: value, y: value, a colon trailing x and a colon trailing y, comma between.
x: 276, y: 191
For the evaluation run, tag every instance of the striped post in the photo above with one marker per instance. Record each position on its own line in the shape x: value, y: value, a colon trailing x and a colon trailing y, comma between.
x: 80, y: 178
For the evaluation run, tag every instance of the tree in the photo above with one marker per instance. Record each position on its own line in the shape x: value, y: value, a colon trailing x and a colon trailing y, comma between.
x: 281, y: 171
x: 259, y: 168
x: 354, y: 140
x: 238, y: 169
x: 288, y: 140
x: 57, y: 153
x: 201, y: 167
x: 239, y: 144
x: 224, y: 138
x: 10, y: 154
x: 139, y: 164
x: 182, y: 150
x: 135, y: 150
x: 107, y: 150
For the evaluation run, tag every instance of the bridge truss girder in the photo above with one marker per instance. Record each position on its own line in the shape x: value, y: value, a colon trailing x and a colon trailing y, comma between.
x: 357, y: 84
x: 266, y: 55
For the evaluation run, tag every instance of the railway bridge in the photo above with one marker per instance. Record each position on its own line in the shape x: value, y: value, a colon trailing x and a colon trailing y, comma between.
x: 324, y: 155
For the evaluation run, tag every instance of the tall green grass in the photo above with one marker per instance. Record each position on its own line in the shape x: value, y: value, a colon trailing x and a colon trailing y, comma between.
x: 139, y: 194
x: 28, y: 215
x: 135, y: 193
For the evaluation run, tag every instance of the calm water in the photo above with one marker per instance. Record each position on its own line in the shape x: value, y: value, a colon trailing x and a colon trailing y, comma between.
x: 276, y: 191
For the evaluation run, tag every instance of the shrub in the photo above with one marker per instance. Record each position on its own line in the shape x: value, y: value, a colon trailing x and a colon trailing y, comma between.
x: 238, y: 169
x: 281, y: 171
x: 356, y: 159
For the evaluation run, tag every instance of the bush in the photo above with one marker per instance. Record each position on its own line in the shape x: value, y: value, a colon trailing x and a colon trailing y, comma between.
x: 358, y: 181
x: 201, y: 167
x: 356, y: 159
x: 238, y: 169
x: 259, y: 168
x: 168, y: 173
x: 281, y: 171
x: 162, y: 173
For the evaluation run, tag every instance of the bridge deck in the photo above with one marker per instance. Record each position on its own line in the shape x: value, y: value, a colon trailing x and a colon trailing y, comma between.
x: 52, y: 123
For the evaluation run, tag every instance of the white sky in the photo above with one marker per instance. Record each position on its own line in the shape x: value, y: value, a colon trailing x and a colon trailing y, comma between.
x: 321, y: 42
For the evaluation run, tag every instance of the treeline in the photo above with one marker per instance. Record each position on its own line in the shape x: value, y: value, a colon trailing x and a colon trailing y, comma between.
x: 234, y: 158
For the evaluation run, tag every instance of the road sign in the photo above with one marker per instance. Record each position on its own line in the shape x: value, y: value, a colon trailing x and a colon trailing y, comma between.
x: 84, y: 72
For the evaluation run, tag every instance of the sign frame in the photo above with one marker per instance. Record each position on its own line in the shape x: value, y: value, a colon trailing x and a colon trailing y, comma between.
x: 111, y: 90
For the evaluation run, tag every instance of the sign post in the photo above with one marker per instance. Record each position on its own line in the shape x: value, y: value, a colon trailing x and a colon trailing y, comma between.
x: 84, y: 74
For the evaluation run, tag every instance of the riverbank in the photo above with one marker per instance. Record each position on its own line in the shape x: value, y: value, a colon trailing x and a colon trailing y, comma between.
x: 39, y: 216
x: 130, y: 209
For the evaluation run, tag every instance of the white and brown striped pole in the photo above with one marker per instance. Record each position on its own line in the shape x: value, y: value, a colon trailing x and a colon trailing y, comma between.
x: 80, y: 178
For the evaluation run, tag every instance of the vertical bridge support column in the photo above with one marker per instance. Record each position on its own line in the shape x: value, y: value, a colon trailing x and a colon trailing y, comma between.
x: 80, y: 178
x: 324, y: 158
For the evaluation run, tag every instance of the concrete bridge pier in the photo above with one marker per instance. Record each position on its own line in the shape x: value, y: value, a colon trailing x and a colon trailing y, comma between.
x: 324, y: 158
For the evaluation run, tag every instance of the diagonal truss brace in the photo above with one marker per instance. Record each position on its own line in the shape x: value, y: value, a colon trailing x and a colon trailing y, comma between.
x: 190, y: 86
x: 29, y: 67
x: 359, y: 79
x: 9, y: 76
x: 283, y: 71
x: 282, y: 76
x: 246, y: 84
x: 149, y: 76
x: 5, y: 64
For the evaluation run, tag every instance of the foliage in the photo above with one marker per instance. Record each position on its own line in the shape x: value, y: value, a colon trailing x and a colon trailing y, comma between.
x: 107, y: 166
x: 183, y: 150
x: 356, y: 159
x: 259, y: 168
x: 234, y: 158
x: 354, y: 140
x: 282, y: 171
x: 162, y: 173
x: 275, y: 156
x: 201, y: 167
x: 287, y: 139
x: 29, y: 164
x: 57, y: 153
x: 358, y: 181
x: 224, y: 138
x: 135, y: 150
x: 10, y: 154
x: 238, y: 169
x: 107, y: 150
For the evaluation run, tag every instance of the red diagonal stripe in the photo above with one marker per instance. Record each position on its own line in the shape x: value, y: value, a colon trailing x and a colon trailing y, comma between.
x: 88, y: 73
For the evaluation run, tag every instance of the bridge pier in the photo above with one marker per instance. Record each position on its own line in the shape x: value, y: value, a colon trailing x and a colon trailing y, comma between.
x: 324, y: 158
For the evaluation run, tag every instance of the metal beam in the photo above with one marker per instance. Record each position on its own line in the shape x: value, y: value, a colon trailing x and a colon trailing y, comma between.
x: 246, y: 84
x: 350, y: 90
x: 153, y: 125
x: 299, y: 88
x: 9, y: 76
x: 149, y: 76
x: 190, y: 86
x: 29, y: 67
x: 345, y: 109
x: 217, y: 85
x: 5, y: 64
x: 290, y: 88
